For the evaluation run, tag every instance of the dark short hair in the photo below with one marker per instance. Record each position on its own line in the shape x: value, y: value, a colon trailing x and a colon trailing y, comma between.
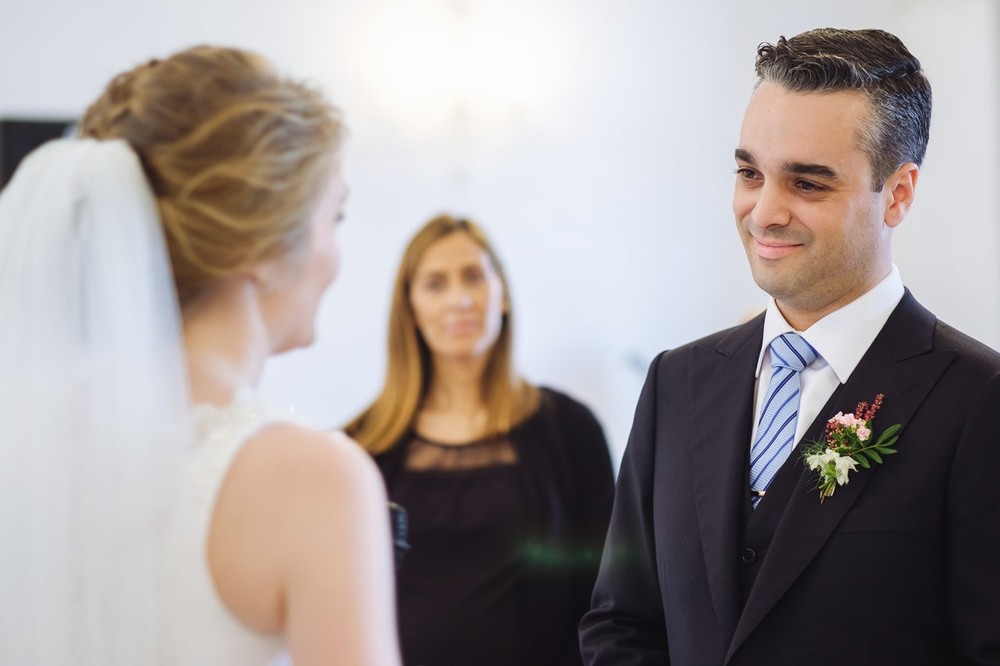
x: 872, y: 62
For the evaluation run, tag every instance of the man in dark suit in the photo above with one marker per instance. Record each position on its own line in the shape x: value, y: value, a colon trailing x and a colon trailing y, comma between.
x: 720, y: 550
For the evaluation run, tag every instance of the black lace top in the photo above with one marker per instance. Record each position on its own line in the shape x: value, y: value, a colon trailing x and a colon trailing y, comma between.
x: 461, y: 586
x: 505, y: 536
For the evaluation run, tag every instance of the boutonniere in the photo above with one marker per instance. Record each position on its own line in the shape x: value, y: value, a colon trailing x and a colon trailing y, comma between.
x: 848, y: 441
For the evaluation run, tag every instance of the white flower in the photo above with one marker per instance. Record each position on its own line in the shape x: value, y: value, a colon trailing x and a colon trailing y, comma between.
x: 816, y: 460
x: 844, y: 464
x: 828, y: 456
x: 847, y: 440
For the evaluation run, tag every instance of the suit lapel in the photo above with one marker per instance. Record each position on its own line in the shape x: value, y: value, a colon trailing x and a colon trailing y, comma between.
x: 898, y: 364
x: 721, y: 380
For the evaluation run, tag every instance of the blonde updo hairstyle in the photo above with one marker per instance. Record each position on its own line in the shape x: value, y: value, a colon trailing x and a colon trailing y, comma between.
x: 236, y: 155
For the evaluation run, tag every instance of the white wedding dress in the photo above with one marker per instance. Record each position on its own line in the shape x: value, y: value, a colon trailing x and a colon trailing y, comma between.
x: 202, y: 630
x: 107, y: 487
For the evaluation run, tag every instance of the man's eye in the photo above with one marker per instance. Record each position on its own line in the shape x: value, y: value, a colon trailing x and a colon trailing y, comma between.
x: 807, y: 186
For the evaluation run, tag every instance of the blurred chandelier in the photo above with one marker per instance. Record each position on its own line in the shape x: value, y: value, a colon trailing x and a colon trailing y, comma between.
x: 461, y: 66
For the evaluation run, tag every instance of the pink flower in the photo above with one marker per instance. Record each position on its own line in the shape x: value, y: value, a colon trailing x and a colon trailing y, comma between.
x: 848, y: 441
x: 847, y: 420
x: 839, y: 418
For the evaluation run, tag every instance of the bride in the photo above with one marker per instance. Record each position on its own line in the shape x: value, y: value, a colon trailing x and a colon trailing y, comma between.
x: 153, y: 511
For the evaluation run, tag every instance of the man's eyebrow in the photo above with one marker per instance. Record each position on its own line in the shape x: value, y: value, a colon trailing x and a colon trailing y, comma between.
x: 797, y: 168
x: 820, y: 170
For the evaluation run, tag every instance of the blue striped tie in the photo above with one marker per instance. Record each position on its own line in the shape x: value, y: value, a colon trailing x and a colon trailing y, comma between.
x: 790, y: 354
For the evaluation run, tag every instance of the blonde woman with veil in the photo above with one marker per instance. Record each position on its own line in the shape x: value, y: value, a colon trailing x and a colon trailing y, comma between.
x: 154, y: 511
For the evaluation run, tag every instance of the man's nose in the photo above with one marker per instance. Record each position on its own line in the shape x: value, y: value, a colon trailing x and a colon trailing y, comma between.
x: 771, y: 207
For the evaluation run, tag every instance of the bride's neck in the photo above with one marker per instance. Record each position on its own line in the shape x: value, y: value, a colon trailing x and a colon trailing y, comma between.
x: 226, y: 342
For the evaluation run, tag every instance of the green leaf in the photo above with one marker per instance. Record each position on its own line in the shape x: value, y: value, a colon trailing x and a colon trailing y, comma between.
x: 861, y: 460
x: 889, y: 432
x: 888, y: 442
x: 885, y: 450
x: 874, y: 455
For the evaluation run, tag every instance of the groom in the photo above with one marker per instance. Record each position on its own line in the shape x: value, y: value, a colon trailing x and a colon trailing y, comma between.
x: 720, y: 550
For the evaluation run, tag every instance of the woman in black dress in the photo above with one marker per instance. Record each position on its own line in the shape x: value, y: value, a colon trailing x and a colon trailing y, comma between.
x: 508, y: 486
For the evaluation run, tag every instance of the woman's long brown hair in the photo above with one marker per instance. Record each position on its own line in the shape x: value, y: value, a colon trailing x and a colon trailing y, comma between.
x: 509, y: 398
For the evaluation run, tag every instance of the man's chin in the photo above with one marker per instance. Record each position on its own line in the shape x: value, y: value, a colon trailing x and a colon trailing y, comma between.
x: 777, y: 284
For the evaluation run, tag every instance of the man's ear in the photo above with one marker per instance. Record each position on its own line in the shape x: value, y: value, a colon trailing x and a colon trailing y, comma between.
x: 898, y: 191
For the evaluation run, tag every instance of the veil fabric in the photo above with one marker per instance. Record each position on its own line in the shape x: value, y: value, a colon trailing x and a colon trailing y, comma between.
x: 93, y: 408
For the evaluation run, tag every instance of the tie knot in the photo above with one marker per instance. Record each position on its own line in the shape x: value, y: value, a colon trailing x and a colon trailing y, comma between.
x: 790, y: 350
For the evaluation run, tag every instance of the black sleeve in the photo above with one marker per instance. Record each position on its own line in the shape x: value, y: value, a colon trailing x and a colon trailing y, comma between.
x: 593, y: 482
x: 625, y: 623
x: 569, y: 455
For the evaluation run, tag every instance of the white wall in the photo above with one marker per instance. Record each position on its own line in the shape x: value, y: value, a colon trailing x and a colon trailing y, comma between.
x: 603, y: 171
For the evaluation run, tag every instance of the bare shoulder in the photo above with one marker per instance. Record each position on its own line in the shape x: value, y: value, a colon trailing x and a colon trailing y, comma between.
x: 286, y: 452
x: 307, y: 478
x: 291, y: 495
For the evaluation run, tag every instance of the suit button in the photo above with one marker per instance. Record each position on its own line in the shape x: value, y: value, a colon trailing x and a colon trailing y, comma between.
x: 748, y: 556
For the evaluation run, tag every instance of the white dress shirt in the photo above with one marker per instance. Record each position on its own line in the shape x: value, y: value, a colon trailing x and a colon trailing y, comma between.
x: 840, y: 339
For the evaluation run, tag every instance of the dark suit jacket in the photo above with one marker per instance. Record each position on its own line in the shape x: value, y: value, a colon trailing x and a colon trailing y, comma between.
x: 899, y: 566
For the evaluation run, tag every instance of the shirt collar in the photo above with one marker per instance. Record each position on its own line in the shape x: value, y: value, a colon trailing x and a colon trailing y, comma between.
x: 842, y: 337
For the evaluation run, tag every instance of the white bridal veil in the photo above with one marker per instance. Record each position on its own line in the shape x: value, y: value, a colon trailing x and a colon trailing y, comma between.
x: 93, y: 407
